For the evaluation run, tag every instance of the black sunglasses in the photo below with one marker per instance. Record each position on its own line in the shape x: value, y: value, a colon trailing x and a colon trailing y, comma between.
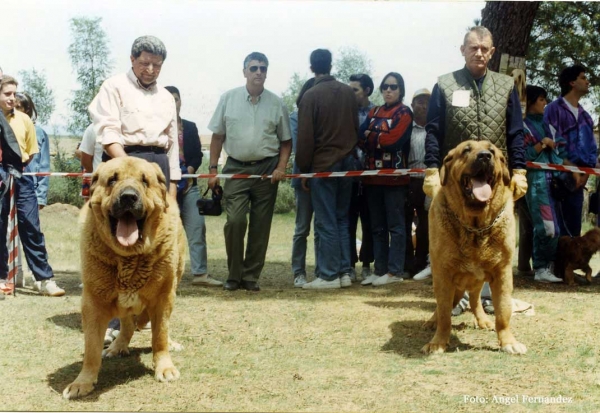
x: 263, y: 69
x: 385, y: 86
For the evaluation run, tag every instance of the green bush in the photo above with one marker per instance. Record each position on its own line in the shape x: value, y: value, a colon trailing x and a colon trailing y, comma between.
x: 286, y: 200
x: 64, y: 190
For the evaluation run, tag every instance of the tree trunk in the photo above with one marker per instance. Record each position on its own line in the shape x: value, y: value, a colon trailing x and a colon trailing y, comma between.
x: 510, y: 23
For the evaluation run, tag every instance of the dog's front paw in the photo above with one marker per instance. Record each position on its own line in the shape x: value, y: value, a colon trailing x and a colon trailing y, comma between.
x: 166, y: 373
x: 75, y: 390
x: 432, y: 348
x: 485, y: 323
x: 514, y: 348
x: 117, y: 348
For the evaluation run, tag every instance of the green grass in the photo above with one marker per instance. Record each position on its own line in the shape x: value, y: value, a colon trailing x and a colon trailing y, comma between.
x: 292, y: 350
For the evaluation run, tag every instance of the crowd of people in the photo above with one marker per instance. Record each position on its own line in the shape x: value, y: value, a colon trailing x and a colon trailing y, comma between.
x: 334, y: 128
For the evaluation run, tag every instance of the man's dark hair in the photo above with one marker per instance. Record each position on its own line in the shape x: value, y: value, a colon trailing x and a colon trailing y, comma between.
x: 27, y: 104
x: 364, y: 80
x: 149, y: 44
x: 255, y: 56
x: 173, y: 89
x: 309, y: 83
x: 400, y: 81
x: 320, y: 61
x: 569, y: 74
x: 533, y: 93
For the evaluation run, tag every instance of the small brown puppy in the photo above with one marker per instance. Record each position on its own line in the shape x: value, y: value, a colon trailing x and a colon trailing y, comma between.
x: 132, y: 258
x: 472, y: 240
x: 575, y: 254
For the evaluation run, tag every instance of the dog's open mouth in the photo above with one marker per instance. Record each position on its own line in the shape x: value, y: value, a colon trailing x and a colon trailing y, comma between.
x: 127, y: 229
x: 478, y: 187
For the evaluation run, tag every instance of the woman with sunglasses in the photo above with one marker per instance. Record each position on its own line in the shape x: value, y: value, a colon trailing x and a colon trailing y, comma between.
x: 385, y: 138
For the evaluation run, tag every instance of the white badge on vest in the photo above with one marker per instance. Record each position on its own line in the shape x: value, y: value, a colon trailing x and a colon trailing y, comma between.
x: 461, y: 98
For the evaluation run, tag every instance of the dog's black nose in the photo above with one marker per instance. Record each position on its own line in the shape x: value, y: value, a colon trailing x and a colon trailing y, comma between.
x: 128, y: 198
x: 484, y: 156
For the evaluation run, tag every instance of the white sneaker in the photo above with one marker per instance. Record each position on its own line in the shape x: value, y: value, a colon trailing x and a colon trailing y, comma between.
x: 206, y: 280
x: 423, y: 274
x: 321, y: 284
x: 48, y: 287
x: 366, y: 273
x: 345, y: 280
x: 370, y: 279
x: 299, y: 281
x: 387, y: 279
x: 544, y: 275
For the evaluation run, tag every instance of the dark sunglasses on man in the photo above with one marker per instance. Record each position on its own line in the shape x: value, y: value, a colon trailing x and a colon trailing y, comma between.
x: 385, y: 86
x: 263, y: 69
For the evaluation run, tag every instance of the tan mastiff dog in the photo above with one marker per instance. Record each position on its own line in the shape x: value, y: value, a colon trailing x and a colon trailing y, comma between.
x: 132, y: 257
x: 472, y: 240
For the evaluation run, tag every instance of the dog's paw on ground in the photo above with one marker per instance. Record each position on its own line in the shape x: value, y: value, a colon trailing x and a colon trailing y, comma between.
x: 117, y: 348
x: 76, y: 390
x: 514, y: 348
x: 433, y: 348
x: 166, y: 371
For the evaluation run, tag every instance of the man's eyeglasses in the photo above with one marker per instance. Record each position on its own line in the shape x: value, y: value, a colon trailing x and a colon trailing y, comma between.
x: 263, y: 69
x: 385, y: 86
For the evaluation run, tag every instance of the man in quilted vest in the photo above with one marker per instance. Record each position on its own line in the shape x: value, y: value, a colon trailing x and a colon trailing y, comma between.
x: 475, y: 103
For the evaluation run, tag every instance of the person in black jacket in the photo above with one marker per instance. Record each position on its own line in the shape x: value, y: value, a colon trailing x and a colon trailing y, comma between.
x: 190, y: 159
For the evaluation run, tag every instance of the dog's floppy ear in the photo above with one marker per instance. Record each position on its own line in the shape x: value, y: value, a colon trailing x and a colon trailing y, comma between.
x: 162, y: 182
x: 446, y: 164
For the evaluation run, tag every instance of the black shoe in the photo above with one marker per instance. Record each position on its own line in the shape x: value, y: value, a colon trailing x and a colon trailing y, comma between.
x: 231, y: 285
x: 250, y: 285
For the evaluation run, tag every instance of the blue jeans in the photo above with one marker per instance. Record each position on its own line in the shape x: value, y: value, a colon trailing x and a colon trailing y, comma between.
x: 3, y: 184
x: 304, y: 215
x: 331, y: 202
x: 195, y: 230
x: 386, y: 205
x: 31, y: 235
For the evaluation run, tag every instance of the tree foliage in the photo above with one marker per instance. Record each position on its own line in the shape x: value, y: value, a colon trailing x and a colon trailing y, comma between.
x: 349, y: 61
x: 35, y: 85
x: 565, y: 33
x: 89, y: 55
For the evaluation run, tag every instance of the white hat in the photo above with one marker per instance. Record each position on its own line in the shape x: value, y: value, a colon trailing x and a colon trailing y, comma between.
x: 423, y: 91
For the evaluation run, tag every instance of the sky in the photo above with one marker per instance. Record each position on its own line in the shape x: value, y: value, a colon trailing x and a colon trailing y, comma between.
x: 207, y: 41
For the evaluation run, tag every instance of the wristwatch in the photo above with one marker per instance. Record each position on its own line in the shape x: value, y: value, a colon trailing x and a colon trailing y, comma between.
x: 214, y: 167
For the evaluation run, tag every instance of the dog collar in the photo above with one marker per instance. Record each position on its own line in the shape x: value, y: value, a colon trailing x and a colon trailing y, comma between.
x: 480, y: 231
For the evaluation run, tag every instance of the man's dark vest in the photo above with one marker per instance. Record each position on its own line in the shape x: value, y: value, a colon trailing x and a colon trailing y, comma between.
x: 11, y: 153
x: 485, y: 117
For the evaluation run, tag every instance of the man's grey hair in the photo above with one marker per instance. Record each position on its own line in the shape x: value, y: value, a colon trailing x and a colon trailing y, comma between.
x: 255, y: 56
x: 481, y: 32
x: 149, y: 44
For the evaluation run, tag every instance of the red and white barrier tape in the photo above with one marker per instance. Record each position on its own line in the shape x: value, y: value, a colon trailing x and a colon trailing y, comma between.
x: 379, y: 172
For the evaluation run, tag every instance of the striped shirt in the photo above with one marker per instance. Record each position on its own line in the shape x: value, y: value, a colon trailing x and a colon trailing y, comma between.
x: 417, y: 149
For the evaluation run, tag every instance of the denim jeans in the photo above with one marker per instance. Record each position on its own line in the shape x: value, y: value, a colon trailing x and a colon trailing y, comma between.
x: 386, y: 205
x: 31, y: 235
x: 195, y: 230
x: 331, y: 202
x: 3, y: 184
x: 304, y: 215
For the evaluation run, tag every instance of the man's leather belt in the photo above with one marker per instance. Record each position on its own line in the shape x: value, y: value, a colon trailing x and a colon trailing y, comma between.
x: 143, y: 149
x: 248, y: 163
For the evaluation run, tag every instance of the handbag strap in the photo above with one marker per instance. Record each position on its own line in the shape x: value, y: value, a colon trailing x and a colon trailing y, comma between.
x: 206, y: 192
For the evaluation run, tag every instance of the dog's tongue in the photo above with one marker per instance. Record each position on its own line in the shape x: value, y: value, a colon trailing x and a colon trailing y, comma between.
x: 127, y: 231
x: 481, y: 189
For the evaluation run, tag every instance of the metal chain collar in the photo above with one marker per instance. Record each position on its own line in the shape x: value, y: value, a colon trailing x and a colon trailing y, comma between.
x: 480, y: 231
